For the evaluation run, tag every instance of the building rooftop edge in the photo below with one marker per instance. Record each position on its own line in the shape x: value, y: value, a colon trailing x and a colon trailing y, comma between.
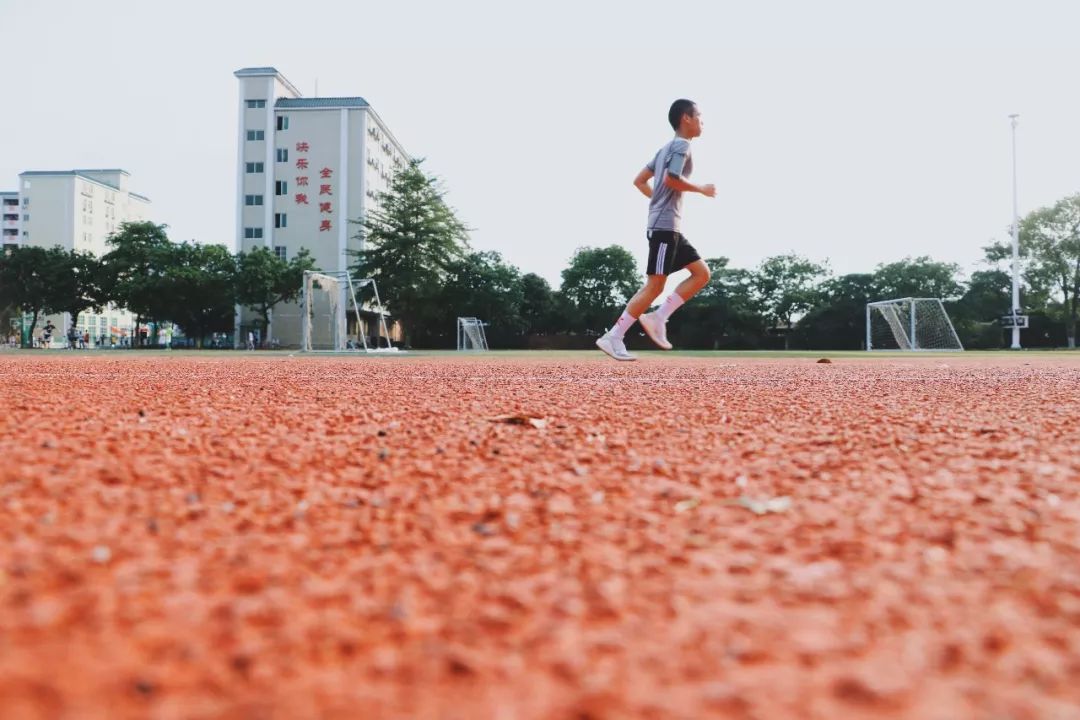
x: 77, y: 171
x: 267, y: 72
x: 322, y: 102
x: 256, y: 71
x: 81, y: 174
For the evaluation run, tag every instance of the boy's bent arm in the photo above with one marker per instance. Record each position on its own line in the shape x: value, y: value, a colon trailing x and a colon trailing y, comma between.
x: 677, y: 183
x: 641, y: 182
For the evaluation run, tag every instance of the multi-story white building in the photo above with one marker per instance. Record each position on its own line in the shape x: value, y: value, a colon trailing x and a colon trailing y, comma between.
x: 9, y: 219
x: 306, y: 167
x: 77, y: 210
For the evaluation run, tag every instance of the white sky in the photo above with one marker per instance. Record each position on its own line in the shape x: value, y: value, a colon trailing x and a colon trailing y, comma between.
x: 857, y: 131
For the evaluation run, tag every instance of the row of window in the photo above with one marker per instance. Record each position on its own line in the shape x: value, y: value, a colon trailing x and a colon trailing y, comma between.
x: 280, y: 188
x: 282, y: 124
x: 254, y: 168
x: 256, y: 233
x: 86, y: 322
x: 255, y: 104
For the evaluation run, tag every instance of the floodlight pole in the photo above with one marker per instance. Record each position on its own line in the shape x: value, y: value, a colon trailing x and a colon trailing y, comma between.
x: 1015, y: 245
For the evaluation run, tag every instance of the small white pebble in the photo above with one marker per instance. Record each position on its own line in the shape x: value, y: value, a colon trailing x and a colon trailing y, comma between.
x: 935, y: 554
x: 101, y: 554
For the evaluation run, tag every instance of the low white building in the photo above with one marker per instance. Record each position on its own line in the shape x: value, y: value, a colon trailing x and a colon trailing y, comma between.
x: 306, y: 167
x: 78, y: 210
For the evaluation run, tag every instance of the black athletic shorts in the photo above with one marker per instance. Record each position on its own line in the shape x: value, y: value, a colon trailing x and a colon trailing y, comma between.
x: 669, y: 252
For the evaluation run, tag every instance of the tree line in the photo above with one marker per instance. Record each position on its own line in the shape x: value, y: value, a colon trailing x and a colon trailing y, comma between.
x: 418, y: 251
x: 192, y: 285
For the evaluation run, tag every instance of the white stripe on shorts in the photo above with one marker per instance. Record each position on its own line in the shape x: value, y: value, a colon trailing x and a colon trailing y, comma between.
x: 660, y: 253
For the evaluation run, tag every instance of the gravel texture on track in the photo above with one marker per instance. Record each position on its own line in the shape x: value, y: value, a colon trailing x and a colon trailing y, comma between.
x: 530, y: 537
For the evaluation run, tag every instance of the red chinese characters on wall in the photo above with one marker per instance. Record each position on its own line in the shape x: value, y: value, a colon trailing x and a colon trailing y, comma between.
x: 325, y: 188
x: 302, y: 164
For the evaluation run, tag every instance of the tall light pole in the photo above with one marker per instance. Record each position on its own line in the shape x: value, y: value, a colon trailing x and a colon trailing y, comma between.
x: 1015, y: 246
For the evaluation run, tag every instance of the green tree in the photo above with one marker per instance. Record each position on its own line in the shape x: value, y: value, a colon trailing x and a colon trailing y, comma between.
x: 537, y: 304
x: 598, y: 282
x: 25, y: 281
x: 988, y: 296
x: 837, y: 320
x: 787, y: 285
x: 1050, y: 244
x: 133, y: 268
x: 409, y: 244
x: 197, y: 288
x: 263, y: 280
x: 482, y: 285
x: 724, y: 314
x: 976, y: 314
x: 918, y: 277
x: 77, y: 280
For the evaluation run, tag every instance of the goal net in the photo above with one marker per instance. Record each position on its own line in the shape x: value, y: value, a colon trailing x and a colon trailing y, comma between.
x: 326, y: 300
x: 910, y: 324
x: 470, y: 334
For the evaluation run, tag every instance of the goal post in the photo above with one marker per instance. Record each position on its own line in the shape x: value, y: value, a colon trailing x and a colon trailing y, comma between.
x: 470, y: 334
x: 326, y: 299
x: 910, y: 324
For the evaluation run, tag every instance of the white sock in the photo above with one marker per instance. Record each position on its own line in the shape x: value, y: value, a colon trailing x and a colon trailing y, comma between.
x: 674, y: 302
x: 625, y: 321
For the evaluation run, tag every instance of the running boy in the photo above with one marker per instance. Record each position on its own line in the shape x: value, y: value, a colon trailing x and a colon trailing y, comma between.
x: 669, y: 250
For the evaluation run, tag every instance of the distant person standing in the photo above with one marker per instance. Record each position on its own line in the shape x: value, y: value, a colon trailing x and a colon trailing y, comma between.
x: 250, y: 340
x: 669, y: 250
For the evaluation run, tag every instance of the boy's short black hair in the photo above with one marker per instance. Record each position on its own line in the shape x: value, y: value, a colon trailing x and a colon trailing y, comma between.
x: 680, y: 107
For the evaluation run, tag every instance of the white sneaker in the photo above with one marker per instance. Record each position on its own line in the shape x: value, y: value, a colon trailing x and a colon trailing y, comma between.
x: 656, y: 329
x: 614, y: 347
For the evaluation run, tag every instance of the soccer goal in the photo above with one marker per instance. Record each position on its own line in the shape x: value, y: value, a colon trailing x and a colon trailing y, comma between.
x: 470, y: 334
x: 326, y: 299
x: 910, y: 324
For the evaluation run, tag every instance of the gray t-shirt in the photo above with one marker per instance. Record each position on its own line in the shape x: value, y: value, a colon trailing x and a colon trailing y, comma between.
x: 665, y: 207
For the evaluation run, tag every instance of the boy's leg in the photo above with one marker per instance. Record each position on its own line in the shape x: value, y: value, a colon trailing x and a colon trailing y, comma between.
x: 655, y: 323
x: 691, y: 286
x: 612, y: 341
x: 643, y: 298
